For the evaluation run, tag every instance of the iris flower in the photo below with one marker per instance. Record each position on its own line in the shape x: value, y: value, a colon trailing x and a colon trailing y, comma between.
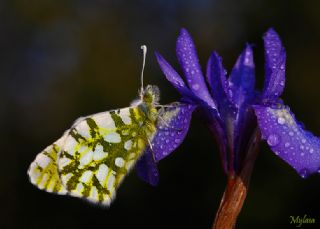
x: 235, y: 111
x: 237, y: 114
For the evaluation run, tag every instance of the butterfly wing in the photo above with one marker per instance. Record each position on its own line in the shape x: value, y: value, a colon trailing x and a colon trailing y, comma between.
x: 43, y: 171
x: 98, y: 152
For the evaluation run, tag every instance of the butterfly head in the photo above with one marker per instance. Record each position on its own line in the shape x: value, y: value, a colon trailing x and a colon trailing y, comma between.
x: 149, y: 98
x: 150, y: 95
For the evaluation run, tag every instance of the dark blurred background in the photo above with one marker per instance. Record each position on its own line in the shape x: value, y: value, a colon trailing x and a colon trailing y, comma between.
x: 63, y: 59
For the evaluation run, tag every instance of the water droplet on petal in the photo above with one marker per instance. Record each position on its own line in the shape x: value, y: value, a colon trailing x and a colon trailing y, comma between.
x: 303, y: 140
x: 273, y: 140
x: 291, y: 133
x: 230, y: 93
x: 281, y: 121
x: 304, y: 173
x: 287, y: 144
x: 311, y: 150
x: 195, y: 86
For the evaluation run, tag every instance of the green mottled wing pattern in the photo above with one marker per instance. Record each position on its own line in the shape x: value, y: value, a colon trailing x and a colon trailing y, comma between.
x: 43, y: 170
x: 91, y: 159
x: 99, y: 151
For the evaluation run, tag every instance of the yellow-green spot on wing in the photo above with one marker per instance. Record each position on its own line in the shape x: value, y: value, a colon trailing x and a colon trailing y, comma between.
x: 99, y: 151
x: 43, y: 171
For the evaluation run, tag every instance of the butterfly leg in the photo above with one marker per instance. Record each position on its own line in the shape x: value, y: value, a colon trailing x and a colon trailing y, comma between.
x: 168, y: 125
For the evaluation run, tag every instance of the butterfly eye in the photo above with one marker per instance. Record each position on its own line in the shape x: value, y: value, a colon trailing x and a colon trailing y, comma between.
x: 151, y: 94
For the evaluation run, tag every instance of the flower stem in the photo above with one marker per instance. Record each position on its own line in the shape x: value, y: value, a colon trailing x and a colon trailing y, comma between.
x: 236, y: 190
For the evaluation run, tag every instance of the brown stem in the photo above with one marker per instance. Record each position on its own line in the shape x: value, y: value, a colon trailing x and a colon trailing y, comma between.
x: 236, y: 190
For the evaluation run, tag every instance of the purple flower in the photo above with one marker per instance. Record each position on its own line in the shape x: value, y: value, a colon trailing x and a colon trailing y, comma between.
x: 236, y: 112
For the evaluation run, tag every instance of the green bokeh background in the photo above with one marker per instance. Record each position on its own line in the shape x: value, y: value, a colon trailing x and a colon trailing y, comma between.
x: 63, y: 59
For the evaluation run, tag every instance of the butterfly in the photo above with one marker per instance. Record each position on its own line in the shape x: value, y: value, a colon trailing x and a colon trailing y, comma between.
x: 91, y: 159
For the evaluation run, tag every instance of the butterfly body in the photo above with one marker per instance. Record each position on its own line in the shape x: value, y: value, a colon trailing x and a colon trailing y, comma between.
x: 91, y: 159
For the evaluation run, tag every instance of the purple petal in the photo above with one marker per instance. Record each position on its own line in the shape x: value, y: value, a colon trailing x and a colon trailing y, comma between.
x: 217, y: 129
x: 288, y: 139
x: 146, y: 168
x: 174, y: 78
x: 217, y: 81
x: 275, y: 61
x: 245, y: 128
x: 189, y: 62
x: 242, y: 78
x: 216, y: 78
x: 241, y: 92
x: 172, y: 127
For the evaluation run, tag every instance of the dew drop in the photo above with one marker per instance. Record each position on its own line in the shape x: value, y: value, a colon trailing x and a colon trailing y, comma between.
x: 230, y: 93
x: 311, y: 150
x: 291, y: 133
x: 303, y: 140
x: 273, y: 140
x: 304, y: 173
x: 177, y: 140
x: 281, y: 121
x: 287, y: 144
x: 195, y: 86
x: 302, y: 147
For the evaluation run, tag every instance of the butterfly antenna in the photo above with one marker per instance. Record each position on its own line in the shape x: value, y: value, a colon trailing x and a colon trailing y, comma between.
x: 144, y: 51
